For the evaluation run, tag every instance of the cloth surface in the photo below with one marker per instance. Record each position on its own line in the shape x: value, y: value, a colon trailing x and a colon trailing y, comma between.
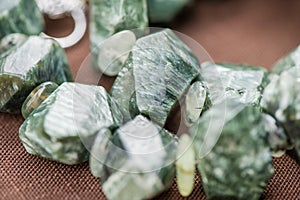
x: 242, y: 31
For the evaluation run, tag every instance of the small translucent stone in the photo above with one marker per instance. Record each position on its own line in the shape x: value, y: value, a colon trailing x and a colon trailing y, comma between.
x: 114, y: 51
x: 37, y: 96
x: 194, y: 102
x: 185, y: 165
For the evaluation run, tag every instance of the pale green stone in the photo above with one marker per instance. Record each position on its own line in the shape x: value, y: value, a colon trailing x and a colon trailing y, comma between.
x: 114, y: 51
x: 37, y: 96
x: 137, y: 163
x: 196, y: 101
x: 281, y: 98
x: 60, y: 127
x: 20, y: 16
x: 242, y: 82
x: 288, y: 61
x: 162, y: 11
x: 234, y: 159
x: 26, y: 62
x: 110, y: 17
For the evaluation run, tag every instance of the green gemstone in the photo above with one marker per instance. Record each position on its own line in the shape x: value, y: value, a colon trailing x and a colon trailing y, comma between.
x: 20, y: 16
x: 110, y: 17
x: 162, y: 68
x: 196, y: 101
x: 281, y: 98
x: 37, y: 96
x: 242, y: 82
x: 60, y: 128
x: 26, y: 62
x: 137, y: 163
x: 287, y: 62
x: 234, y: 158
x: 114, y: 51
x: 161, y: 11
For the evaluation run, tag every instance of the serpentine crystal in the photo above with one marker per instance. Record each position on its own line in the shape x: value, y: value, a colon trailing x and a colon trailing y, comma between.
x: 162, y: 67
x: 110, y: 17
x: 137, y: 162
x: 287, y: 62
x: 281, y: 98
x: 20, y: 16
x: 234, y: 158
x: 26, y: 62
x: 245, y: 83
x: 59, y: 128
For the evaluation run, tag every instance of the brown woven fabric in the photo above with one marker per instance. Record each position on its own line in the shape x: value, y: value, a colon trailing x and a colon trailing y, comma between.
x: 247, y: 31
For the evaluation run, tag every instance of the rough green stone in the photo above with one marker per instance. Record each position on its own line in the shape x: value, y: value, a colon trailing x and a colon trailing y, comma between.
x: 196, y: 101
x: 60, y: 127
x: 163, y: 69
x: 110, y: 17
x: 245, y: 83
x: 234, y: 159
x: 137, y: 163
x: 26, y: 62
x: 20, y: 16
x: 162, y: 11
x: 287, y: 62
x: 281, y: 98
x: 37, y: 96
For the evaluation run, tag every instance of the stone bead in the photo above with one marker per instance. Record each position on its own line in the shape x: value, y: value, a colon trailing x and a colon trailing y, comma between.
x: 25, y: 63
x: 231, y: 145
x: 37, y: 96
x: 20, y: 16
x: 60, y: 128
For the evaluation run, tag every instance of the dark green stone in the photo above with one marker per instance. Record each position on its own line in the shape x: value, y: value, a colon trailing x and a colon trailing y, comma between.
x: 161, y: 11
x: 20, y: 16
x: 60, y: 127
x: 26, y: 62
x: 234, y: 159
x: 136, y: 162
x: 288, y: 61
x: 242, y: 82
x: 281, y: 98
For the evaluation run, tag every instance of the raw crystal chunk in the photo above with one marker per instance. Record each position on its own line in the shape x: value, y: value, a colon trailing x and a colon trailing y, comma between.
x: 137, y: 162
x: 163, y: 68
x: 26, y: 62
x: 245, y: 83
x: 234, y: 158
x: 37, y: 96
x: 288, y: 61
x: 20, y: 16
x: 110, y: 17
x: 196, y: 101
x: 281, y: 98
x: 60, y: 126
x: 162, y: 11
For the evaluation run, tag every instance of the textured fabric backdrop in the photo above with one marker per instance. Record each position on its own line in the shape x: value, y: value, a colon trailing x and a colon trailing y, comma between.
x: 245, y: 31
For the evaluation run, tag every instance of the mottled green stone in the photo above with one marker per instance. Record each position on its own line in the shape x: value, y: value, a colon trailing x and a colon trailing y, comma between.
x: 163, y: 69
x: 234, y: 159
x: 26, y: 62
x: 162, y: 11
x: 242, y: 82
x: 59, y: 129
x: 137, y: 162
x: 110, y: 17
x: 37, y: 96
x: 281, y: 98
x: 290, y: 60
x: 20, y: 16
